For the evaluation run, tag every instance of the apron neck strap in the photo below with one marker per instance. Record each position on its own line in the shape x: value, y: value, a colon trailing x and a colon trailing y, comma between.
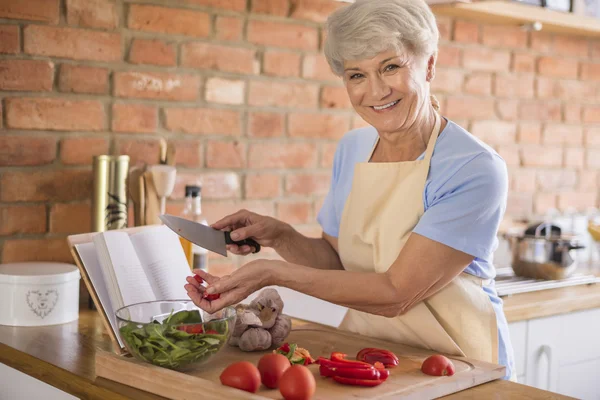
x: 434, y: 135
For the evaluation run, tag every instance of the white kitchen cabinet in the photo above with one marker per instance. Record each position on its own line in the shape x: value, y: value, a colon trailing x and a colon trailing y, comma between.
x: 561, y: 353
x: 15, y: 385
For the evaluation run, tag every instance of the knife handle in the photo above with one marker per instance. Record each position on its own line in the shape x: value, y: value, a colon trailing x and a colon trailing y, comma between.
x: 247, y: 242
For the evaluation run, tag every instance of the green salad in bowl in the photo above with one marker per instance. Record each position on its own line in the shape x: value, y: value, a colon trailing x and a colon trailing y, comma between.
x: 174, y: 334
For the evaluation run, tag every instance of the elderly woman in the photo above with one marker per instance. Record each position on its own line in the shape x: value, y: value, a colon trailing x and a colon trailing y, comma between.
x: 411, y: 217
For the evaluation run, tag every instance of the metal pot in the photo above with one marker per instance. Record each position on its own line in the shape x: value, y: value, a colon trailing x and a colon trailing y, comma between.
x: 546, y: 256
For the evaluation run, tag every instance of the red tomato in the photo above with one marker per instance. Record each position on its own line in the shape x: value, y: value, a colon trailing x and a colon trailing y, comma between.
x: 272, y: 367
x: 437, y: 365
x: 297, y: 383
x: 241, y: 375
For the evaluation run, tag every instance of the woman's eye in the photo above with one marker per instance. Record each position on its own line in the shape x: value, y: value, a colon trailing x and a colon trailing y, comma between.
x: 391, y: 67
x: 355, y: 76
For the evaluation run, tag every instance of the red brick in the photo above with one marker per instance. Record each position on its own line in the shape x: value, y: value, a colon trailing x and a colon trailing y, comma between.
x: 317, y: 126
x: 591, y: 114
x: 26, y: 75
x: 542, y: 41
x: 215, y: 185
x: 519, y: 205
x: 313, y: 10
x: 225, y: 91
x: 77, y: 44
x: 573, y: 90
x: 83, y: 79
x: 507, y: 109
x: 513, y: 86
x: 571, y: 46
x: 46, y: 185
x: 168, y: 20
x: 524, y: 180
x: 272, y: 7
x: 281, y: 63
x: 32, y: 10
x: 225, y: 155
x: 188, y: 153
x: 592, y: 158
x: 279, y: 34
x: 316, y: 67
x: 504, y: 36
x: 530, y: 133
x: 578, y: 200
x: 587, y: 180
x: 307, y: 184
x: 591, y: 135
x: 466, y: 32
x: 48, y: 249
x: 229, y: 28
x: 262, y: 186
x: 22, y: 219
x: 71, y: 218
x: 92, y: 13
x: 156, y: 85
x: 265, y: 124
x: 510, y: 154
x: 478, y: 83
x: 152, y: 51
x: 233, y: 5
x: 523, y: 62
x: 282, y: 155
x: 449, y: 56
x: 542, y: 156
x: 203, y: 121
x: 444, y: 25
x: 572, y: 112
x: 544, y: 87
x: 223, y: 58
x: 335, y: 97
x: 540, y: 111
x: 590, y: 71
x: 9, y: 39
x: 294, y: 212
x: 470, y: 107
x: 557, y: 67
x: 447, y: 81
x: 574, y: 158
x: 20, y: 150
x: 556, y: 179
x: 139, y: 150
x: 54, y: 114
x: 484, y: 59
x: 81, y: 150
x: 327, y: 154
x: 138, y: 118
x: 495, y: 132
x: 279, y: 94
x: 543, y: 202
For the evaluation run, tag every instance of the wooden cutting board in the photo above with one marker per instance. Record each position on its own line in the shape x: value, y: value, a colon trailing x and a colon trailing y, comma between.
x: 405, y: 381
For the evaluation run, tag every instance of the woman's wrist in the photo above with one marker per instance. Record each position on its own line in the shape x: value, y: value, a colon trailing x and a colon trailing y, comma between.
x: 274, y: 272
x: 285, y: 235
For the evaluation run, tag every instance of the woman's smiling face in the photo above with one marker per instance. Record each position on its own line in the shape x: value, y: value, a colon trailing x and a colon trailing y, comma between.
x: 388, y: 90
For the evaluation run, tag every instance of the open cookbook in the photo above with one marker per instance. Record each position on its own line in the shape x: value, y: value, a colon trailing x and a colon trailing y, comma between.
x: 123, y: 267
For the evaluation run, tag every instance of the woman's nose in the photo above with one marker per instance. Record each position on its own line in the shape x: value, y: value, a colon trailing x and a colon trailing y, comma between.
x: 379, y: 89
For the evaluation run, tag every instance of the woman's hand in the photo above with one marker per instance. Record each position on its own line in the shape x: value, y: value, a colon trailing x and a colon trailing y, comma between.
x: 232, y: 288
x: 267, y: 231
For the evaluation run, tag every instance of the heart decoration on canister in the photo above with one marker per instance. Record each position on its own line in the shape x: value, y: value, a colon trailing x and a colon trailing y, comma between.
x: 42, y: 302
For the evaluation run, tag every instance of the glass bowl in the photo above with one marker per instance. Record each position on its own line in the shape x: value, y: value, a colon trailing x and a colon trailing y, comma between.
x: 174, y: 334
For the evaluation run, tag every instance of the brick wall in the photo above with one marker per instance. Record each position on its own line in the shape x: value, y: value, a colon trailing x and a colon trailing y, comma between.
x: 241, y: 88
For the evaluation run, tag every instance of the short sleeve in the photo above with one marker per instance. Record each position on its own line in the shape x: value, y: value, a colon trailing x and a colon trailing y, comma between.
x: 465, y: 211
x: 328, y: 216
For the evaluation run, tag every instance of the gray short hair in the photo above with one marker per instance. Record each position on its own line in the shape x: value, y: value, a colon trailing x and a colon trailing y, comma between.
x: 369, y: 27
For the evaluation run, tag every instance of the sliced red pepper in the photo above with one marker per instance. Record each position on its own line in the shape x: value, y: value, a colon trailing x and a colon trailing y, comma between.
x: 285, y: 348
x: 338, y: 356
x: 199, y: 279
x: 358, y: 382
x: 212, y: 332
x: 357, y: 373
x: 344, y: 364
x: 326, y: 371
x: 211, y: 297
x: 372, y: 355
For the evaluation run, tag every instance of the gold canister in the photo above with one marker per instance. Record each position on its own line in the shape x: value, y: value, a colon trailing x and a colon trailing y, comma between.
x: 109, y: 195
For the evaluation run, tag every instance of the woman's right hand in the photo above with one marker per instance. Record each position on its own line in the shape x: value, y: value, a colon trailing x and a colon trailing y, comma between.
x: 267, y: 231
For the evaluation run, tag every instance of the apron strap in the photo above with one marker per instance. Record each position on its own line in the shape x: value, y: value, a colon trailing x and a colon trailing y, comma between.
x: 433, y: 138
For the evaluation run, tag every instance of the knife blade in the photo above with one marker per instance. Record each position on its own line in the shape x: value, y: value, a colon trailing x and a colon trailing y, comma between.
x: 204, y: 236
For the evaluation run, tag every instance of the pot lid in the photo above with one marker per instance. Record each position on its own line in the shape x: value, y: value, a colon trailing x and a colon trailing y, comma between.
x: 38, y: 272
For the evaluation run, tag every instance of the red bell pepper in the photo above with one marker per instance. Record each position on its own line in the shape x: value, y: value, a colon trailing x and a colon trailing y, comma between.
x: 357, y: 373
x: 344, y: 364
x: 358, y: 382
x: 341, y: 357
x: 372, y: 355
x: 211, y: 297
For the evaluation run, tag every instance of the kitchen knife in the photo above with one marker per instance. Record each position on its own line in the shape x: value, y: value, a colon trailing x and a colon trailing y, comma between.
x: 204, y: 236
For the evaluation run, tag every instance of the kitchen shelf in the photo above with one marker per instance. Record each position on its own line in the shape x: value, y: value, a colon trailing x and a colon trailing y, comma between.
x: 511, y: 13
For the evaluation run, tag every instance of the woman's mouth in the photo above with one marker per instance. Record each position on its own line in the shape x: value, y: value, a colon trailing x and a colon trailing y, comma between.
x: 385, y: 107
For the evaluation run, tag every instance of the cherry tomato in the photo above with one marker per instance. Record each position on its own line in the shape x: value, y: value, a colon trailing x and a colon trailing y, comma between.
x: 241, y: 375
x: 437, y: 365
x: 272, y: 367
x: 297, y: 383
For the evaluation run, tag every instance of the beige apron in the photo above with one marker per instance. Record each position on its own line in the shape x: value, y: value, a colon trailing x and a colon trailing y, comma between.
x: 384, y: 206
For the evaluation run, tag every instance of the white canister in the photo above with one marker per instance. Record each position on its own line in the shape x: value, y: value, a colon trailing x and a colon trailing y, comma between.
x: 38, y: 293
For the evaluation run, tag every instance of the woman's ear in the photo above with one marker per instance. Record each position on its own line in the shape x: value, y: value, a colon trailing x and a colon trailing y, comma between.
x: 431, y: 67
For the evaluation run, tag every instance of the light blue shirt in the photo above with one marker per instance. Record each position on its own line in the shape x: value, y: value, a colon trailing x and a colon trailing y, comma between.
x: 464, y: 201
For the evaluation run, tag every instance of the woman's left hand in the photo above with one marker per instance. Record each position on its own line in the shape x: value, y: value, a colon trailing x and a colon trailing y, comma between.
x: 232, y: 288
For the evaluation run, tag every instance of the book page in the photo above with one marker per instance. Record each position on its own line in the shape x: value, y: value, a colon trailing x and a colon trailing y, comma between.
x: 87, y: 253
x: 162, y: 256
x: 120, y: 263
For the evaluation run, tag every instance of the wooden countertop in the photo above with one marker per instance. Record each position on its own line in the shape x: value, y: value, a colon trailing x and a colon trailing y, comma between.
x: 63, y: 356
